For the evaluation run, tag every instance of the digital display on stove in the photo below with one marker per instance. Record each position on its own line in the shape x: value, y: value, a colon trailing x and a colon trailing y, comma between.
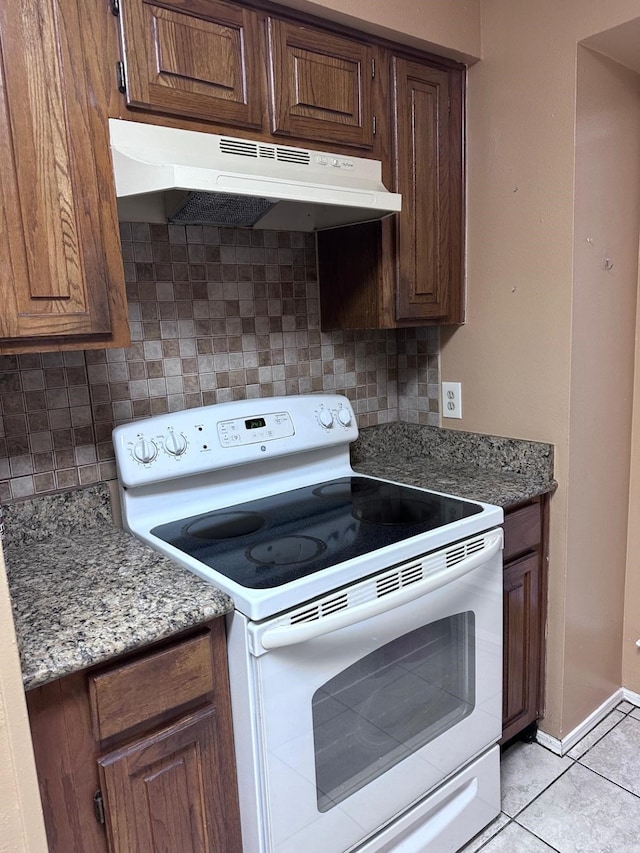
x: 271, y: 541
x: 255, y: 423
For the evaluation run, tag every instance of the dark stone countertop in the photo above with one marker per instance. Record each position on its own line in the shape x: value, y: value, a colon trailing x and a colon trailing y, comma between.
x: 491, y: 469
x: 84, y: 591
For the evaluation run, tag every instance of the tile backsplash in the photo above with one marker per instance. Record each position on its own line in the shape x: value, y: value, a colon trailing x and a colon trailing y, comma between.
x: 216, y: 314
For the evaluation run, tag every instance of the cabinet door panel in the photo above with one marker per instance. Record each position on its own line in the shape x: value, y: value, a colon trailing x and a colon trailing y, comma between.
x: 320, y: 85
x: 56, y: 280
x: 522, y: 626
x: 428, y: 109
x: 194, y: 58
x: 169, y: 791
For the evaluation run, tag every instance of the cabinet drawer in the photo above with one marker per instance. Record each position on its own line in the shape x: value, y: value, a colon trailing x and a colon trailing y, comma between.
x: 522, y: 530
x: 157, y: 684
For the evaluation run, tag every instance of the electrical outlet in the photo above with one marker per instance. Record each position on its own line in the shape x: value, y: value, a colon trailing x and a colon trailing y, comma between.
x: 452, y: 399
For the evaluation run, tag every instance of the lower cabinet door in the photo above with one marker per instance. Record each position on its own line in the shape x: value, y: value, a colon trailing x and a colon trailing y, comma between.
x: 522, y: 627
x: 166, y: 792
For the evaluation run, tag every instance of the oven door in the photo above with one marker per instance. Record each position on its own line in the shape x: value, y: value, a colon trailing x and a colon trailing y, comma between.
x: 347, y: 714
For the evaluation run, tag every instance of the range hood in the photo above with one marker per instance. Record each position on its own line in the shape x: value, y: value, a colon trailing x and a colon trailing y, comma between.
x: 186, y: 177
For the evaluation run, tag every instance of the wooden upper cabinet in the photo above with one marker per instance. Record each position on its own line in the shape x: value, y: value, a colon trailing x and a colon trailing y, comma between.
x: 320, y: 85
x: 193, y: 58
x: 61, y: 275
x: 408, y: 269
x: 429, y: 174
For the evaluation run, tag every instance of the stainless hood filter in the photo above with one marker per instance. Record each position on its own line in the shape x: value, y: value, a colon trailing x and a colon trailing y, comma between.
x: 168, y: 174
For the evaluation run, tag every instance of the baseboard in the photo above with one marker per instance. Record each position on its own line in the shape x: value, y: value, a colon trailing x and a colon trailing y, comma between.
x: 561, y: 747
x: 630, y: 696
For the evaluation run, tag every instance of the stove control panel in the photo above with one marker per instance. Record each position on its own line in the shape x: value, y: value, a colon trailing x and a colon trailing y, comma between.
x: 209, y: 438
x: 258, y: 428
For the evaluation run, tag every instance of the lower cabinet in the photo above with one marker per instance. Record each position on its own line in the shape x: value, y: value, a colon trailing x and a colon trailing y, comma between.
x: 525, y: 592
x: 138, y: 755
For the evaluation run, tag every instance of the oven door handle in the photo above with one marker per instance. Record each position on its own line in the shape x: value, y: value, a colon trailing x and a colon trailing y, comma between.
x: 289, y: 635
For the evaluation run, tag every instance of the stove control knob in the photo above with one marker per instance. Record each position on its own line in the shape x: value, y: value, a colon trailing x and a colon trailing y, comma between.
x: 344, y: 416
x: 144, y: 451
x: 326, y: 418
x: 175, y: 443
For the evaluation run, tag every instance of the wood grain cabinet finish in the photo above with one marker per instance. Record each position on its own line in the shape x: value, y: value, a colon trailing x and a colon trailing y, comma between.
x: 164, y: 792
x: 320, y: 85
x: 61, y: 276
x: 525, y: 590
x: 151, y: 736
x: 408, y: 269
x: 193, y: 58
x: 429, y: 174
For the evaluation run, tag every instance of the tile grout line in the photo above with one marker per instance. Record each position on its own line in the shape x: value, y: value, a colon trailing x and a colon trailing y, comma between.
x: 574, y: 761
x: 601, y: 775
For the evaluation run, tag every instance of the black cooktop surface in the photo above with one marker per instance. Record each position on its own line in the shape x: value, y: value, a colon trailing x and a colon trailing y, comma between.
x: 268, y: 542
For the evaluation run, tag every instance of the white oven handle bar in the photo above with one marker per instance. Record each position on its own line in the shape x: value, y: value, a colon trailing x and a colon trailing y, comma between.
x: 289, y: 635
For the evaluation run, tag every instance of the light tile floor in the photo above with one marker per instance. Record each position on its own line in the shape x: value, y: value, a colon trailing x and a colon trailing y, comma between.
x: 588, y: 801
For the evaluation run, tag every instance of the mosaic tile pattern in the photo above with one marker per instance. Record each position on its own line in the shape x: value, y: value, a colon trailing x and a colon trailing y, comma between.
x: 216, y: 314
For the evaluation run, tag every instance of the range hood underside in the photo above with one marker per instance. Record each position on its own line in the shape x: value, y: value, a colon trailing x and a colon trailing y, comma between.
x: 240, y: 211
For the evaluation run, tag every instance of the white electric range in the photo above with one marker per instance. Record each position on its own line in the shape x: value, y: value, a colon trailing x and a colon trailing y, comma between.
x: 365, y: 646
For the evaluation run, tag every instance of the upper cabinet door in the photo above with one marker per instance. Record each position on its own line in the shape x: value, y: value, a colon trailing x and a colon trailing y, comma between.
x: 61, y: 275
x: 320, y: 85
x: 429, y: 174
x: 193, y: 58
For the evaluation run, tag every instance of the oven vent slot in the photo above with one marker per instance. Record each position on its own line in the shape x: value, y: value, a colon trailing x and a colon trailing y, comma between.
x: 457, y: 555
x: 339, y: 602
x: 387, y: 583
x: 321, y: 609
x: 397, y: 580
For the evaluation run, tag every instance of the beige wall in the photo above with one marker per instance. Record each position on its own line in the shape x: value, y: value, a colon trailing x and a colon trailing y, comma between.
x: 21, y: 825
x: 631, y: 631
x: 607, y: 222
x: 538, y: 358
x: 448, y: 27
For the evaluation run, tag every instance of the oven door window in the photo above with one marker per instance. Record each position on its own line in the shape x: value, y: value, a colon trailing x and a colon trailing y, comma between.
x: 390, y: 703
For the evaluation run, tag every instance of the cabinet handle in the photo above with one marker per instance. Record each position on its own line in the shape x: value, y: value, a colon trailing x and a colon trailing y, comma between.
x: 121, y: 77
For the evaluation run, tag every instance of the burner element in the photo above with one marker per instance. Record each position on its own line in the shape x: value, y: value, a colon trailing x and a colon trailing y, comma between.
x: 225, y: 525
x: 286, y: 551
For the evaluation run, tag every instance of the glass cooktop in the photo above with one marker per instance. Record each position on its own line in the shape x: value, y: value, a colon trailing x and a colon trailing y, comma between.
x: 270, y: 541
